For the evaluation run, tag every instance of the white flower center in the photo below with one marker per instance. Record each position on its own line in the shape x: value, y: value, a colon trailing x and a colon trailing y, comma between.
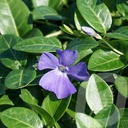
x: 62, y: 68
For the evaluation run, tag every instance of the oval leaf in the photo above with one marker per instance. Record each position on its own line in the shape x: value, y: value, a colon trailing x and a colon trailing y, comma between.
x: 109, y: 117
x: 122, y: 85
x: 18, y: 117
x: 98, y: 94
x: 19, y: 78
x: 121, y: 33
x: 45, y: 12
x: 85, y: 121
x: 105, y: 61
x: 39, y: 45
x: 96, y: 14
x: 9, y: 57
x: 55, y: 107
x: 14, y: 17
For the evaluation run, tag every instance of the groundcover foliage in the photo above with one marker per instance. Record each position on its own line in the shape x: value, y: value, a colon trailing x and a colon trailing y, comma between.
x: 29, y: 28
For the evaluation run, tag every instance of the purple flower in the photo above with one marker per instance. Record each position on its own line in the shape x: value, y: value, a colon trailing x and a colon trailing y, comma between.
x: 57, y: 80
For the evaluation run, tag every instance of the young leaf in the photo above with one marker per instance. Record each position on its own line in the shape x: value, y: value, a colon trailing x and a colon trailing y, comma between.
x: 55, y: 107
x: 14, y: 17
x: 98, y: 94
x: 19, y: 117
x: 4, y: 100
x: 19, y: 78
x: 85, y: 121
x: 9, y: 57
x: 122, y: 85
x: 96, y: 14
x: 105, y: 61
x: 109, y: 117
x: 39, y: 45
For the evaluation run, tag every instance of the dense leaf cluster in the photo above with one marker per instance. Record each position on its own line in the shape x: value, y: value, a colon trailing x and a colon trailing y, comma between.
x: 31, y: 27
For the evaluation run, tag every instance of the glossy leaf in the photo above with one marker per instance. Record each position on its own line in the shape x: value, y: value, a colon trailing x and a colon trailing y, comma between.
x: 121, y: 33
x: 28, y: 98
x: 14, y: 17
x: 83, y: 45
x: 85, y: 121
x: 96, y: 14
x: 45, y: 12
x: 19, y: 78
x: 124, y: 118
x: 18, y: 117
x: 105, y: 61
x: 109, y: 117
x: 4, y: 100
x: 9, y: 57
x: 55, y: 107
x: 98, y: 94
x: 38, y: 45
x: 122, y: 85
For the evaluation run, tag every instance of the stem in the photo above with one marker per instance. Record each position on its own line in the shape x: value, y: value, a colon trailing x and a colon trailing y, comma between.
x: 54, y: 34
x: 115, y: 50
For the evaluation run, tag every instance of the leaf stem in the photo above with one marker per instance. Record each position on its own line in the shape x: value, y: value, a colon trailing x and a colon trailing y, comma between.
x: 115, y: 50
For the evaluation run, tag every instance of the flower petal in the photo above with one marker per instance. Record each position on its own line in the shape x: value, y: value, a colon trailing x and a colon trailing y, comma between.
x: 57, y: 82
x: 78, y: 72
x: 47, y: 61
x: 67, y: 57
x: 88, y: 31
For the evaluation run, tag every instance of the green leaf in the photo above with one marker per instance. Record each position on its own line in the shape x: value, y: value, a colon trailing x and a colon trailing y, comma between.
x: 14, y: 17
x: 85, y: 121
x: 121, y: 33
x: 96, y: 14
x: 9, y: 57
x: 122, y: 7
x: 83, y: 46
x: 105, y: 61
x: 122, y: 85
x: 56, y: 4
x: 79, y: 20
x: 109, y: 117
x: 45, y: 12
x: 28, y: 98
x: 124, y: 118
x: 33, y: 33
x: 39, y: 45
x: 18, y: 117
x: 19, y: 78
x: 55, y: 107
x: 98, y: 94
x: 4, y: 100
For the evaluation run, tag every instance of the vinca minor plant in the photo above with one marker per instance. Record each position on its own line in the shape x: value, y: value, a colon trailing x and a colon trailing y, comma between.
x: 63, y: 63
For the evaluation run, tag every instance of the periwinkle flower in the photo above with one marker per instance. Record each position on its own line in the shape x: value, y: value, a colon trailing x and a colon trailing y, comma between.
x: 89, y: 31
x: 56, y: 80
